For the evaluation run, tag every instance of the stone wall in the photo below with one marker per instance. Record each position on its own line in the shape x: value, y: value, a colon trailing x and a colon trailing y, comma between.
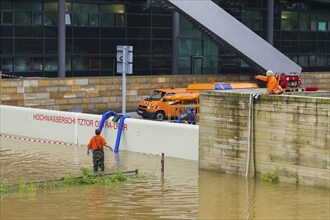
x: 100, y: 94
x: 291, y: 136
x: 94, y: 94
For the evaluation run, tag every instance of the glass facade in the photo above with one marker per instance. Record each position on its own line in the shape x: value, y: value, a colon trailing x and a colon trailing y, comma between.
x: 94, y: 28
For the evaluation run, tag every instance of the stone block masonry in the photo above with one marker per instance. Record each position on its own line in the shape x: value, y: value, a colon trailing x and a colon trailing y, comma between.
x: 101, y: 94
x: 94, y: 94
x: 291, y: 136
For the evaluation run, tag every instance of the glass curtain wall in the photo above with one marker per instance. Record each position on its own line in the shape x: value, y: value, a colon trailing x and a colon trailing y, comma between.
x: 28, y: 37
x: 301, y: 31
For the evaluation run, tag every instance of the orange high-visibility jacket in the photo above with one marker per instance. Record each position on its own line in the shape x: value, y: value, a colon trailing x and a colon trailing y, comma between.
x: 272, y: 84
x: 96, y: 142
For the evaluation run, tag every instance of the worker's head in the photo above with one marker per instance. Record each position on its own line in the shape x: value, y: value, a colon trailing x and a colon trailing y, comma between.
x: 97, y: 131
x: 269, y: 73
x: 192, y: 110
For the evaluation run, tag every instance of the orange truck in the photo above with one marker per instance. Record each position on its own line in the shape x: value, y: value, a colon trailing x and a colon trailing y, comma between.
x: 171, y: 103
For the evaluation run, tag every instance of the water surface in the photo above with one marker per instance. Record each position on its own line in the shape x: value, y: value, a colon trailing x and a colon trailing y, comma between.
x: 183, y: 192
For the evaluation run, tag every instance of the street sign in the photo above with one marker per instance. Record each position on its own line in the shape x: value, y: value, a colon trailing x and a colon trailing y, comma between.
x: 124, y: 66
x: 125, y: 59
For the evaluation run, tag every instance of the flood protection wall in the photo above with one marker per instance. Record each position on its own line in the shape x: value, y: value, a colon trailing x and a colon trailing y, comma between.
x: 289, y: 136
x: 143, y: 136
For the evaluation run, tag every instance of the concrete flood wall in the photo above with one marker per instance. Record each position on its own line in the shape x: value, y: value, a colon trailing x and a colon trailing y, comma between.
x: 138, y: 135
x: 290, y: 136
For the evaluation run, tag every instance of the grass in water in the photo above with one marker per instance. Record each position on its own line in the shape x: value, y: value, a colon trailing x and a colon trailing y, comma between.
x: 87, y: 178
x: 269, y: 177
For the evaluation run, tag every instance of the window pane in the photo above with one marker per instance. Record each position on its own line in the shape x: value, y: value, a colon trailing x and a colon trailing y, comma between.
x: 68, y: 6
x: 51, y: 31
x: 303, y: 61
x: 28, y: 31
x: 7, y: 17
x: 79, y: 63
x: 7, y: 64
x: 86, y: 32
x: 190, y: 47
x: 68, y: 63
x: 94, y: 21
x: 51, y: 64
x: 141, y: 47
x: 108, y: 20
x: 28, y: 46
x: 23, y: 18
x: 37, y: 18
x: 6, y: 4
x: 312, y: 60
x: 162, y: 21
x: 139, y: 20
x: 68, y: 45
x: 322, y: 26
x: 106, y: 63
x: 161, y: 33
x: 307, y: 46
x: 51, y: 46
x: 120, y: 20
x: 113, y: 32
x: 286, y: 25
x: 321, y: 60
x: 110, y: 45
x: 113, y: 8
x: 304, y: 22
x: 85, y: 7
x: 84, y: 46
x: 23, y: 5
x: 6, y: 46
x: 50, y: 18
x: 313, y: 25
x: 94, y: 64
x: 80, y: 19
x: 51, y: 6
x: 161, y: 47
x: 186, y: 28
x: 290, y: 46
x: 139, y: 32
x: 37, y: 64
x: 68, y: 19
x: 6, y: 31
x: 210, y: 48
x: 22, y: 64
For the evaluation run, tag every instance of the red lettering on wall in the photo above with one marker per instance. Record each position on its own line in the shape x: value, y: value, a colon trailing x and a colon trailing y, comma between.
x: 79, y: 121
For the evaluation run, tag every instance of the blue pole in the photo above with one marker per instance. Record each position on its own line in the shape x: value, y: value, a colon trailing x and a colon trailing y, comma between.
x: 120, y: 128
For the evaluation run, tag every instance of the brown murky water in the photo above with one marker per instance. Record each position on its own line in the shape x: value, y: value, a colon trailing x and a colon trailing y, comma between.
x: 184, y: 192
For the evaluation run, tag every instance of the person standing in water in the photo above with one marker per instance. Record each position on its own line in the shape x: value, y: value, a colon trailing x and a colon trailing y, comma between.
x: 97, y: 143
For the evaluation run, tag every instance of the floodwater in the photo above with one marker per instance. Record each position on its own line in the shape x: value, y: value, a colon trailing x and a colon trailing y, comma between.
x: 183, y: 192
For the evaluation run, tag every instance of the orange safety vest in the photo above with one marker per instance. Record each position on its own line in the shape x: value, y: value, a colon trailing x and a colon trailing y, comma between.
x: 272, y: 84
x: 96, y: 142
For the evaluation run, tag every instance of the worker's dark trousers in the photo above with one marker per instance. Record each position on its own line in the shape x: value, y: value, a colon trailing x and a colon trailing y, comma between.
x: 98, y: 159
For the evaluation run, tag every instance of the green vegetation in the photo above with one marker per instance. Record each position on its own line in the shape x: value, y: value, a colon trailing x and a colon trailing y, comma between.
x: 269, y: 177
x: 87, y: 178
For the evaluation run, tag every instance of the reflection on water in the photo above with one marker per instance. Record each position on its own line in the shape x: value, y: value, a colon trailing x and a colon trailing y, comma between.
x: 183, y: 192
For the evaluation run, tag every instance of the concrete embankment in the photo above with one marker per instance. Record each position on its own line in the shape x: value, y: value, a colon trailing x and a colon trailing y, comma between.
x: 286, y: 135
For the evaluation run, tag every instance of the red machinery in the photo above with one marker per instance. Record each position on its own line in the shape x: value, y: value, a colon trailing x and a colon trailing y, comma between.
x: 289, y: 81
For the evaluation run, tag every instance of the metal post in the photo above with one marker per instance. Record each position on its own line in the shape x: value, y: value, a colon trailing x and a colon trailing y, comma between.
x: 162, y: 164
x: 124, y: 80
x: 270, y: 21
x: 175, y: 43
x: 61, y: 38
